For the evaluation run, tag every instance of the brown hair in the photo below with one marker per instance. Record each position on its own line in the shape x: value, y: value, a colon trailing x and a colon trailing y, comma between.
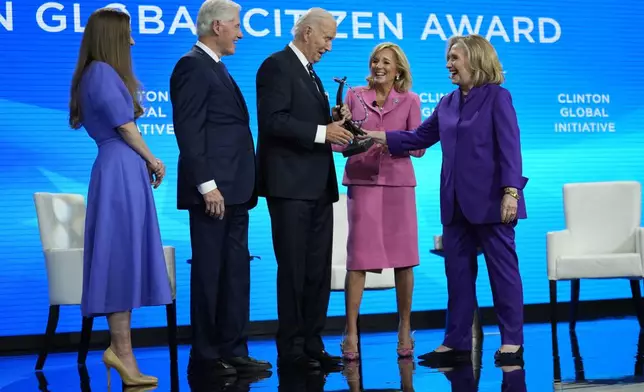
x: 403, y: 83
x: 483, y: 60
x: 106, y: 39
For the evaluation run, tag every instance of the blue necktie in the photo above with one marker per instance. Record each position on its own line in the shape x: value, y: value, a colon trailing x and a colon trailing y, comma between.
x: 316, y: 80
x: 223, y: 67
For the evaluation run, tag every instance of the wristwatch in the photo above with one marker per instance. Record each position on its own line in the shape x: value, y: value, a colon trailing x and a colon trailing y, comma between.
x: 512, y: 193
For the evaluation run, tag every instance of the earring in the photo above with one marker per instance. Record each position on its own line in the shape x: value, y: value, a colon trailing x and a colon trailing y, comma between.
x: 397, y: 77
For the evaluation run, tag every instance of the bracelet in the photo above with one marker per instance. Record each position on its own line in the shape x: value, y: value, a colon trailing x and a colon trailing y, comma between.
x: 512, y: 193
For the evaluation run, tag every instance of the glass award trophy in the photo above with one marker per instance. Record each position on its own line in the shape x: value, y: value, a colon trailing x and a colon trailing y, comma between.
x: 353, y: 126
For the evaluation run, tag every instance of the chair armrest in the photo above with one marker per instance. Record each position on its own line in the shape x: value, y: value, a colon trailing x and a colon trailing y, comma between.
x: 639, y: 243
x: 558, y: 243
x: 64, y: 275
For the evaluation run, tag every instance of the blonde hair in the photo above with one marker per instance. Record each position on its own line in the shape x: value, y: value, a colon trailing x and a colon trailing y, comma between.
x: 403, y: 83
x: 483, y: 60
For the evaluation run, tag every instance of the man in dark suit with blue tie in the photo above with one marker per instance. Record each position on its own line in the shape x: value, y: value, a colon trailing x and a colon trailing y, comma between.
x: 216, y: 184
x: 296, y: 174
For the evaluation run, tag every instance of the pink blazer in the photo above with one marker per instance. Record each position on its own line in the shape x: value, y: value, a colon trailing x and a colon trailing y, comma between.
x: 376, y: 166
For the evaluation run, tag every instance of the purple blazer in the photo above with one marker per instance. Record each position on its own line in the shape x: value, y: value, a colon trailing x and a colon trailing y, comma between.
x: 377, y: 166
x: 481, y: 148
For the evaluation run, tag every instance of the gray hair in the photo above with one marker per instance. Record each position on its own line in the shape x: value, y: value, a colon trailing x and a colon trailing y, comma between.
x: 212, y: 10
x: 311, y: 18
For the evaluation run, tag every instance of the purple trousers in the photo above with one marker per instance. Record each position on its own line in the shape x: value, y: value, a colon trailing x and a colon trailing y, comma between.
x: 460, y: 241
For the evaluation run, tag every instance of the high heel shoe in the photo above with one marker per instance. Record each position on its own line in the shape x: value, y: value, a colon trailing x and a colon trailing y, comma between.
x: 141, y: 388
x: 348, y: 355
x: 112, y: 361
x: 406, y: 352
x: 150, y: 379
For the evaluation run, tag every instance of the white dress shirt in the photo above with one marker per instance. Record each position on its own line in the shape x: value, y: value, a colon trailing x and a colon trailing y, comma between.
x: 208, y: 185
x: 320, y: 135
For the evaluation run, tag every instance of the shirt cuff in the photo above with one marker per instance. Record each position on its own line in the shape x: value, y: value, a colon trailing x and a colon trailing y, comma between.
x: 320, y: 135
x: 207, y: 187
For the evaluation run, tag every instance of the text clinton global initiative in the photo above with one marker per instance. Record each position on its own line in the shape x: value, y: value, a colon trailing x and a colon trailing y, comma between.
x: 55, y: 17
x: 584, y: 113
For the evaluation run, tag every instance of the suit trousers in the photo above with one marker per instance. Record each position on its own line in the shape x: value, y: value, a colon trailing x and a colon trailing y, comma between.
x: 219, y: 283
x: 302, y: 241
x: 460, y: 241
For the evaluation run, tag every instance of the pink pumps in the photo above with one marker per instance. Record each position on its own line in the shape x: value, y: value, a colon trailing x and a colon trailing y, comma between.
x: 348, y: 355
x: 406, y: 352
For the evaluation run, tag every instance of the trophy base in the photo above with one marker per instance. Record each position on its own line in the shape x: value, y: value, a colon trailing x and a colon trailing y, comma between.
x: 357, y: 147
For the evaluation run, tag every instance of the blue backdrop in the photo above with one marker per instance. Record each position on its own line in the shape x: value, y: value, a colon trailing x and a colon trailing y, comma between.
x: 573, y: 70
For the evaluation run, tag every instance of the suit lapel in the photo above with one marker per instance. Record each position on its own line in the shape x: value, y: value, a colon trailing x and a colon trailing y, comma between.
x: 369, y: 97
x: 303, y: 73
x: 235, y: 88
x: 225, y: 79
x: 241, y: 99
x: 393, y: 100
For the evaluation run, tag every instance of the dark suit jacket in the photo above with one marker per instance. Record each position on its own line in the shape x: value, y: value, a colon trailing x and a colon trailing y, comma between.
x: 211, y: 124
x: 289, y: 109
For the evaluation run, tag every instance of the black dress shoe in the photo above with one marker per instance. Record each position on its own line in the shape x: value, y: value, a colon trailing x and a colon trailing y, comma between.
x: 327, y: 361
x: 208, y: 382
x: 252, y: 377
x: 297, y: 362
x: 248, y: 364
x: 509, y: 359
x: 215, y: 367
x: 445, y: 358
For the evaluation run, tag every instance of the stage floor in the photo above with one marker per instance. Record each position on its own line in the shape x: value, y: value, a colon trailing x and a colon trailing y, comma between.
x: 604, y: 359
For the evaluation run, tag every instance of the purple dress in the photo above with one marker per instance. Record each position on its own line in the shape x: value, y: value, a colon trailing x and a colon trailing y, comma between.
x: 124, y: 265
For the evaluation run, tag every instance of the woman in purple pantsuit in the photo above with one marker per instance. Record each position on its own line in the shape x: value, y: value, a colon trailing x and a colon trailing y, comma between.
x: 124, y: 266
x: 481, y: 195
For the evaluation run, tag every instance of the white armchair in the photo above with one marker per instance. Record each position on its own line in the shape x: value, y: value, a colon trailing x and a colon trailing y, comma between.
x: 61, y: 222
x: 602, y: 240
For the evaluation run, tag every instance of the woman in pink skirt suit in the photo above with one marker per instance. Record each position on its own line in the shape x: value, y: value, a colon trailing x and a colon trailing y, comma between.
x: 381, y: 199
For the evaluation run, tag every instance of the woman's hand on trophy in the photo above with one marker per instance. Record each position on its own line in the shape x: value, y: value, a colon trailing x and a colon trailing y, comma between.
x: 341, y: 113
x: 377, y: 136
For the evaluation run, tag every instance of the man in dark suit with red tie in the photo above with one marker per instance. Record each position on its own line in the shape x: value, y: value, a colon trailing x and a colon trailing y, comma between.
x: 296, y: 175
x: 216, y: 184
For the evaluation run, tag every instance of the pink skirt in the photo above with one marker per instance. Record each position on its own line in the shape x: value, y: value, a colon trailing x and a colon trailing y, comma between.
x: 383, y: 228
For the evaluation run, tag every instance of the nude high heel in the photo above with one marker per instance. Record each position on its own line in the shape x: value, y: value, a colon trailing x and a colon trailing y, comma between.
x: 150, y: 379
x: 112, y: 361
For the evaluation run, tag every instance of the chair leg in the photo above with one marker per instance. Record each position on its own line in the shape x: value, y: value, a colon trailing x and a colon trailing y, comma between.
x: 576, y: 356
x: 42, y: 382
x: 636, y: 291
x: 85, y: 382
x: 52, y: 323
x: 575, y: 286
x: 86, y: 336
x: 171, y: 315
x: 553, y: 328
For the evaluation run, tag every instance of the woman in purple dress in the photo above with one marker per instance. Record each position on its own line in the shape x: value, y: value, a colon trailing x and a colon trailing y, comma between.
x: 481, y: 195
x: 124, y: 265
